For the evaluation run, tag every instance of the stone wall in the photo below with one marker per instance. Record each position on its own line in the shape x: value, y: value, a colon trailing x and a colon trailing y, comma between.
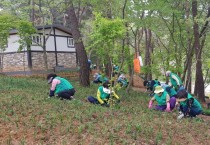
x: 37, y: 60
x: 15, y: 61
x: 18, y: 61
x: 68, y: 60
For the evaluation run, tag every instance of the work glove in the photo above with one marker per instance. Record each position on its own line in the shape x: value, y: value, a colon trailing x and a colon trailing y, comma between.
x: 168, y: 110
x: 150, y: 104
x: 51, y: 93
x: 168, y: 107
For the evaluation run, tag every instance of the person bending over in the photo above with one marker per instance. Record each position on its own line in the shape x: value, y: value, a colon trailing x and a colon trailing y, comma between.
x: 165, y: 103
x: 98, y: 78
x: 189, y: 106
x: 60, y: 86
x: 150, y: 86
x: 122, y: 80
x: 170, y: 90
x: 175, y: 80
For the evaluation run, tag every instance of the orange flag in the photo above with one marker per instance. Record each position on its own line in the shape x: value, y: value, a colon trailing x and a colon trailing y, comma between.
x: 136, y: 64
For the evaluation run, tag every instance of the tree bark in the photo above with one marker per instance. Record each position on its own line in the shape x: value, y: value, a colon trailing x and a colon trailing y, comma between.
x: 148, y: 35
x: 80, y: 50
x: 187, y: 73
x: 199, y: 83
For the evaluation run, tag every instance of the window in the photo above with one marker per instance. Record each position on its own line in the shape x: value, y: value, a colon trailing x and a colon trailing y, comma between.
x: 36, y: 39
x: 70, y: 42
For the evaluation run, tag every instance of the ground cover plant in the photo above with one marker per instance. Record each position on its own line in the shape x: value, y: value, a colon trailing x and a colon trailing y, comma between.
x: 28, y: 116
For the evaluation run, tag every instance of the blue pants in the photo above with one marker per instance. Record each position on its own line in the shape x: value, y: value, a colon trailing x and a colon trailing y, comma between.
x: 93, y: 100
x: 192, y: 112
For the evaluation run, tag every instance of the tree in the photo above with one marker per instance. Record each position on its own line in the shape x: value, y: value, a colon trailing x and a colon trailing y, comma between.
x: 6, y: 24
x: 105, y: 36
x: 80, y: 50
x: 199, y: 83
x: 25, y: 30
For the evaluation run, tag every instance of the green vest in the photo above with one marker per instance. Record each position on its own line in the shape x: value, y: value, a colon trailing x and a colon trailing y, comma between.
x: 103, y: 79
x: 103, y: 95
x: 64, y: 85
x: 174, y: 81
x: 161, y: 100
x: 156, y: 84
x: 196, y: 105
x: 172, y: 92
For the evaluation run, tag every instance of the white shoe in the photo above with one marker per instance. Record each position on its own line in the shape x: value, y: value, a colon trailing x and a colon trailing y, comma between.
x: 180, y: 116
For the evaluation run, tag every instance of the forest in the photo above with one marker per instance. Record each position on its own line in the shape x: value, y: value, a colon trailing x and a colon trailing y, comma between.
x: 167, y: 34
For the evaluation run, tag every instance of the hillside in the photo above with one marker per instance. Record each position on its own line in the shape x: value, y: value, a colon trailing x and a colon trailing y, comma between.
x: 28, y: 116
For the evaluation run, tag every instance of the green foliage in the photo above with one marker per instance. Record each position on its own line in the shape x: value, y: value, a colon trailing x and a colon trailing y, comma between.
x: 25, y: 30
x: 206, y: 111
x: 105, y: 34
x: 7, y: 22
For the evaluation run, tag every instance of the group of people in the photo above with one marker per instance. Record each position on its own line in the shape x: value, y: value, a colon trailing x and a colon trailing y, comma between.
x: 167, y: 97
x: 63, y: 89
x: 122, y: 80
x: 104, y: 91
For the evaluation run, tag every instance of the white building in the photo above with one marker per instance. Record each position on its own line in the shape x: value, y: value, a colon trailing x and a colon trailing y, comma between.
x: 59, y: 47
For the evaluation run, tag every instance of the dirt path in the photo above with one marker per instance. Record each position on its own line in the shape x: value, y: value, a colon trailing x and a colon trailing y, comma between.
x: 139, y: 89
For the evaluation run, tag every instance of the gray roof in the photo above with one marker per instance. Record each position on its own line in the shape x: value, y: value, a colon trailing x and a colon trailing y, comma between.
x: 59, y: 27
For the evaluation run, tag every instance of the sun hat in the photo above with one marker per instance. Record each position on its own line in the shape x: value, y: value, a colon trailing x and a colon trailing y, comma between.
x: 168, y: 73
x: 158, y: 89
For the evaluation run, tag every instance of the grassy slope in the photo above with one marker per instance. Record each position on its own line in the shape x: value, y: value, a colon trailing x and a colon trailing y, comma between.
x: 27, y: 116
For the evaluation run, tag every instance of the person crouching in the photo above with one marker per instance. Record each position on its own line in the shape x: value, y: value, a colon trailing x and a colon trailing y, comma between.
x: 165, y: 103
x: 103, y: 95
x: 60, y: 86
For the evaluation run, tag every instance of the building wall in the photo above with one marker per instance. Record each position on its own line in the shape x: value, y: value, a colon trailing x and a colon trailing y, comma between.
x: 18, y: 61
x: 68, y: 60
x: 57, y: 32
x: 13, y: 44
x: 15, y: 61
x: 61, y: 42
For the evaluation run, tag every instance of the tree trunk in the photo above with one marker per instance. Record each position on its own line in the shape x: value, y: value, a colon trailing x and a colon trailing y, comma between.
x: 148, y: 34
x: 199, y: 83
x: 187, y: 73
x: 108, y: 67
x: 1, y: 61
x: 123, y: 41
x: 80, y: 50
x: 32, y: 16
x: 45, y: 52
